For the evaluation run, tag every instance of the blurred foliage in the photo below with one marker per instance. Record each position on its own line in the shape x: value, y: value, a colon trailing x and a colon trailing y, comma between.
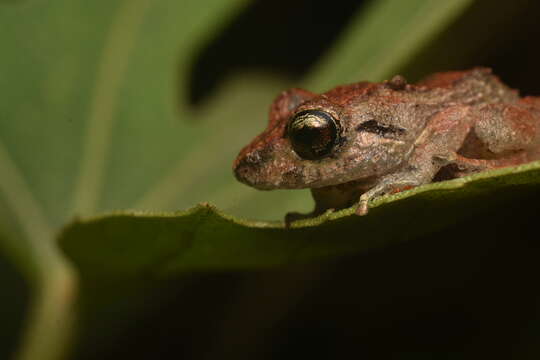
x: 143, y: 104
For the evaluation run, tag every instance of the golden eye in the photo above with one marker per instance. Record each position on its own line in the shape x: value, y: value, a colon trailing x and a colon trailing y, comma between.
x: 313, y: 134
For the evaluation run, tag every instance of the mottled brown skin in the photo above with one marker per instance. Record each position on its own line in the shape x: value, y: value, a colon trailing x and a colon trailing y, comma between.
x: 449, y: 125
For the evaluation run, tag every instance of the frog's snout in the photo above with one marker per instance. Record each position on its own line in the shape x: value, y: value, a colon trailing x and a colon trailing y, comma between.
x: 249, y: 165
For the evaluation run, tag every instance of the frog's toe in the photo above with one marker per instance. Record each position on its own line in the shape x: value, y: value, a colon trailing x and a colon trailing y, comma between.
x: 362, y: 208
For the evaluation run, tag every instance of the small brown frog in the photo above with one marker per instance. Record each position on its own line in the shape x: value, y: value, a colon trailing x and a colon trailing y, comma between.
x: 359, y: 141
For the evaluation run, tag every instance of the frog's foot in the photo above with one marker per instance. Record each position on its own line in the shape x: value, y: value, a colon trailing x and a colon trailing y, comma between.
x: 389, y: 184
x: 362, y: 208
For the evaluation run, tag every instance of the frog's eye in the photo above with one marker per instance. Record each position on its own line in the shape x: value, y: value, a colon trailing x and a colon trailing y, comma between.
x: 313, y: 134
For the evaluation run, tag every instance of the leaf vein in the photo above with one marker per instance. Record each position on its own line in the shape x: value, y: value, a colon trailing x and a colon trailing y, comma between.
x: 110, y: 73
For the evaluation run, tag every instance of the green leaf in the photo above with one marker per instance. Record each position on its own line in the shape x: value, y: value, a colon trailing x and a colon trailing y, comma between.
x: 130, y: 245
x: 87, y: 123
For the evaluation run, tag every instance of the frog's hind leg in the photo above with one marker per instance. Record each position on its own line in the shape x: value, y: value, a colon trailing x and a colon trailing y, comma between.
x: 504, y: 135
x: 507, y: 129
x: 466, y: 166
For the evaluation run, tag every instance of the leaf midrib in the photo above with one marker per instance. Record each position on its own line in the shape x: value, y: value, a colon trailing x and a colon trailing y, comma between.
x: 111, y: 71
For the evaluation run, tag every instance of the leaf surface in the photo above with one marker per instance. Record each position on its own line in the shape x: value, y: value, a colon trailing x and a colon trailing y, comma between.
x: 127, y: 245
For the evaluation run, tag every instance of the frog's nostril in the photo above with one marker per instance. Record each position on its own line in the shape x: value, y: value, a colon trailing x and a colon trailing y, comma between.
x: 249, y: 165
x: 258, y: 158
x: 246, y: 167
x: 253, y: 159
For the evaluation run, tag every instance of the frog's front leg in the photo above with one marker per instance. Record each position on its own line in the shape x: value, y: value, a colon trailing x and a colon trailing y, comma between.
x: 441, y: 138
x: 331, y: 198
x: 390, y: 183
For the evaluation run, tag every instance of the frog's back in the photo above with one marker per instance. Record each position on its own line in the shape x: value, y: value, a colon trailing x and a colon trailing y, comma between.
x: 341, y: 95
x: 472, y: 87
x: 477, y: 86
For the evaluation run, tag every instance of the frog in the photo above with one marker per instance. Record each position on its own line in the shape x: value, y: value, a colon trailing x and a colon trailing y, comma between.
x: 357, y: 142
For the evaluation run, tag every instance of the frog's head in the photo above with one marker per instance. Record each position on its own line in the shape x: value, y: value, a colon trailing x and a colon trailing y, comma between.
x: 349, y: 133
